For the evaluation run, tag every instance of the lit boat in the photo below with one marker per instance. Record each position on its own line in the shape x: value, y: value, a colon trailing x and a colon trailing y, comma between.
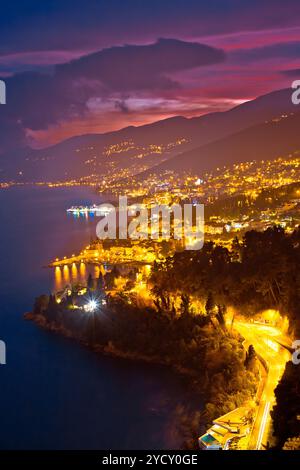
x: 99, y: 210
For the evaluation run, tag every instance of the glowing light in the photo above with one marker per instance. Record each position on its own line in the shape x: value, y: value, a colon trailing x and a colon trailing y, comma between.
x: 91, y: 306
x: 271, y: 315
x: 82, y: 270
x: 74, y: 271
x: 58, y: 278
x: 66, y: 274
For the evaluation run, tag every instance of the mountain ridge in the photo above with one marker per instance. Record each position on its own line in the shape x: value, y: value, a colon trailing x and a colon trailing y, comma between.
x: 139, y: 148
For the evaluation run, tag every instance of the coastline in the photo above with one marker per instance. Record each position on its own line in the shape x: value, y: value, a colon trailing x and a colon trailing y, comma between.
x: 183, y: 413
x: 110, y: 350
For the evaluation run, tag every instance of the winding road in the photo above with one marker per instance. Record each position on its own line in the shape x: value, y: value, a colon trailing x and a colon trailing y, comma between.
x: 268, y: 343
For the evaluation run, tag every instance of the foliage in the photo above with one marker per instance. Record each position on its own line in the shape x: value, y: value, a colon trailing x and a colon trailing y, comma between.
x: 287, y: 409
x: 260, y: 272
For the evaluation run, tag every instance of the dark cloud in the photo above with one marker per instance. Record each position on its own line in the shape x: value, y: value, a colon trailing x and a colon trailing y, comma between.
x: 69, y: 24
x: 122, y: 106
x: 290, y: 50
x: 11, y: 133
x: 291, y: 72
x: 36, y: 100
x: 128, y: 68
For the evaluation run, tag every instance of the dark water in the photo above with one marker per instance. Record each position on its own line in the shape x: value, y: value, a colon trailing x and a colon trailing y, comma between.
x: 54, y: 393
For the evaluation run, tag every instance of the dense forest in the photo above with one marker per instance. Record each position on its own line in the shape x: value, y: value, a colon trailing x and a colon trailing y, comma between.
x: 286, y: 413
x: 259, y: 272
x: 199, y: 347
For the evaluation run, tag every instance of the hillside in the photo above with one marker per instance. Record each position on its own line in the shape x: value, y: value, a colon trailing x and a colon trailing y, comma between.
x: 266, y: 141
x: 133, y: 150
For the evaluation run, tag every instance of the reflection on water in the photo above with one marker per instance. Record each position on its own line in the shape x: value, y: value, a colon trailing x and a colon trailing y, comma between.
x: 82, y: 271
x: 57, y: 278
x: 74, y: 271
x: 66, y: 274
x: 75, y: 274
x: 97, y: 271
x: 81, y: 387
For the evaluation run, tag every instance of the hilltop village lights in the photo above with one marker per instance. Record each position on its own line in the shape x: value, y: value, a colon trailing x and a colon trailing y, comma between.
x: 165, y: 221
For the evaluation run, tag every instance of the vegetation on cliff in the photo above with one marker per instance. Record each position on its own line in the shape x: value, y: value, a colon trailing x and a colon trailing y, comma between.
x: 286, y: 413
x: 197, y: 345
x: 260, y: 272
x: 184, y: 326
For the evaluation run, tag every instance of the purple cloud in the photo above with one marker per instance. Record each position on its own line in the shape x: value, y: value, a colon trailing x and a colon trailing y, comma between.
x: 129, y: 67
x: 291, y: 72
x: 36, y: 100
x: 290, y: 50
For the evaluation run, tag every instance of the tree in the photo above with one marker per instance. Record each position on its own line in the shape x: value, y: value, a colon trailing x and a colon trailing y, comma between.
x: 41, y: 304
x: 185, y: 304
x: 221, y: 315
x: 100, y: 281
x: 250, y: 361
x: 287, y: 409
x: 90, y: 282
x: 235, y: 249
x: 210, y: 304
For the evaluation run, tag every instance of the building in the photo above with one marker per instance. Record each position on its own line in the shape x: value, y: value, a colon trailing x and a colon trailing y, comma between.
x: 231, y: 426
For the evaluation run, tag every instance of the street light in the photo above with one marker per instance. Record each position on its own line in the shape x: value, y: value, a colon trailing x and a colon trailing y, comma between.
x: 91, y: 306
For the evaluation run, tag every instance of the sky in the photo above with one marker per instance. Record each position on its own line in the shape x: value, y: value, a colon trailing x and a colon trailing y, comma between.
x: 74, y: 67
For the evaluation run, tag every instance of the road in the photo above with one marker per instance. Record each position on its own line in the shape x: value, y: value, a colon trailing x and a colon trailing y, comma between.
x: 265, y: 340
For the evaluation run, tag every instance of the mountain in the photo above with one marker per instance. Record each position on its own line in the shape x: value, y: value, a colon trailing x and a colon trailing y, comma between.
x: 278, y: 137
x: 135, y: 149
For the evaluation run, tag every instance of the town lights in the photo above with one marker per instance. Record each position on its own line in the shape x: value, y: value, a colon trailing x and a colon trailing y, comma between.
x: 91, y: 306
